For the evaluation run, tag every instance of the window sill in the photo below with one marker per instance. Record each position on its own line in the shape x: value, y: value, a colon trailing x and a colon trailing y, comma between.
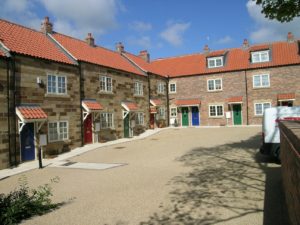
x: 105, y: 92
x: 57, y: 95
x: 67, y: 141
x: 216, y: 117
x: 214, y: 90
x: 254, y: 88
x: 258, y: 116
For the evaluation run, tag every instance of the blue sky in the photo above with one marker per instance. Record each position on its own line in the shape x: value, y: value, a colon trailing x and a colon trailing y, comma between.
x: 163, y: 27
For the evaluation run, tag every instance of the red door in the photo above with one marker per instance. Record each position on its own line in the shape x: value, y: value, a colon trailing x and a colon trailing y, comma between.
x: 88, y: 134
x: 152, y: 121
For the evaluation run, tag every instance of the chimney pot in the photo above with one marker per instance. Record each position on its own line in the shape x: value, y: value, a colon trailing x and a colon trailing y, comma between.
x: 46, y: 26
x: 245, y: 44
x: 90, y: 40
x: 206, y: 49
x: 145, y: 55
x: 120, y: 47
x: 290, y: 37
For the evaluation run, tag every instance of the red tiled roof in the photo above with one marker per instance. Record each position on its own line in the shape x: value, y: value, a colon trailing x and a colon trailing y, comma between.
x: 216, y: 53
x: 30, y: 42
x: 259, y: 47
x: 32, y: 112
x: 2, y: 54
x: 235, y: 99
x: 283, y: 53
x: 96, y: 55
x: 182, y: 102
x: 130, y: 106
x: 155, y: 102
x: 286, y: 96
x: 92, y: 105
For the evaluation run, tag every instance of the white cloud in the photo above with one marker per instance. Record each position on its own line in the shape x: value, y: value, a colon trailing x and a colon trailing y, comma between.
x: 140, y: 26
x: 224, y: 40
x: 143, y: 41
x: 269, y: 30
x: 174, y: 33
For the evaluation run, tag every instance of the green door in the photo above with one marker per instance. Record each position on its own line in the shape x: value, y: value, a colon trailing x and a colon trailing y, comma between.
x: 185, y: 116
x: 237, y: 114
x: 126, y: 126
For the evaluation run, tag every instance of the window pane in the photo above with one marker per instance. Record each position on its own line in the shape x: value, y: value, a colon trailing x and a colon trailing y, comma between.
x: 211, y: 63
x: 256, y: 80
x: 51, y: 84
x: 267, y: 105
x: 211, y: 85
x: 61, y: 84
x: 218, y: 84
x: 265, y: 80
x: 109, y: 84
x: 264, y: 56
x: 219, y: 62
x: 219, y: 110
x: 258, y: 109
x: 255, y: 57
x: 212, y: 110
x: 172, y: 87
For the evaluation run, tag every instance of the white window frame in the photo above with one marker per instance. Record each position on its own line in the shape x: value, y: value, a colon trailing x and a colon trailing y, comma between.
x: 215, y: 59
x: 104, y: 79
x: 107, y: 125
x: 214, y: 84
x: 161, y: 112
x: 58, y: 131
x: 57, y: 85
x: 175, y: 87
x: 216, y: 110
x: 138, y: 88
x: 263, y: 107
x: 261, y: 81
x: 259, y: 55
x: 172, y: 114
x: 140, y: 118
x: 161, y: 88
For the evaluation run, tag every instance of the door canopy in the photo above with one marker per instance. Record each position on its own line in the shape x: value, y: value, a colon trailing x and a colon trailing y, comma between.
x: 235, y: 100
x: 188, y: 102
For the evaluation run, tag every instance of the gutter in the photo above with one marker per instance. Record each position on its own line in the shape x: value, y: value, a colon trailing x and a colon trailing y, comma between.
x: 247, y: 103
x: 8, y: 112
x: 168, y: 101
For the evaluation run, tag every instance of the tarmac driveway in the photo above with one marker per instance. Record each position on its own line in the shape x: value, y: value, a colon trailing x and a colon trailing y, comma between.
x: 178, y: 176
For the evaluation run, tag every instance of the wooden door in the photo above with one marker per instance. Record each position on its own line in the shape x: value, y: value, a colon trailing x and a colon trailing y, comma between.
x: 27, y: 142
x: 88, y: 131
x: 185, y: 116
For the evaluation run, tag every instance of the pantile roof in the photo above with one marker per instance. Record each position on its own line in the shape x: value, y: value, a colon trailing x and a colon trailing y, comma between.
x: 32, y: 112
x: 235, y: 99
x: 155, y: 102
x: 30, y: 42
x: 286, y: 96
x: 95, y: 54
x: 130, y: 106
x: 92, y: 105
x: 187, y: 102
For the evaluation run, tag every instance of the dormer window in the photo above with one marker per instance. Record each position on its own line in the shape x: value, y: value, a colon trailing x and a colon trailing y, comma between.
x: 260, y: 56
x: 214, y: 62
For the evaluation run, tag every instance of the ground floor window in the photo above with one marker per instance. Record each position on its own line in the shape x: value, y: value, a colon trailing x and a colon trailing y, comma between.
x: 260, y: 107
x: 216, y: 110
x: 173, y: 112
x: 106, y: 120
x: 161, y: 113
x: 58, y: 131
x: 285, y: 103
x: 140, y: 118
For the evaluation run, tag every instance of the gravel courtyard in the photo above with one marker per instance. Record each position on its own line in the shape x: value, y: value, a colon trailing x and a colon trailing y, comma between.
x: 177, y: 176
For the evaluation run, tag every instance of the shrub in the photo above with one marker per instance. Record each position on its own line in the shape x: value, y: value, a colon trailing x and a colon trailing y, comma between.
x: 23, y: 203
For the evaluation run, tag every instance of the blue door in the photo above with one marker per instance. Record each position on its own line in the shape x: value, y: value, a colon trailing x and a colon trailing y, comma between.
x: 27, y: 142
x: 195, y: 116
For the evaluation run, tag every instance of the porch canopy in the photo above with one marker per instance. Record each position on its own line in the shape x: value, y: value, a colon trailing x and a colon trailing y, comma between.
x: 235, y: 100
x: 155, y: 102
x: 188, y: 102
x: 90, y: 106
x: 129, y: 107
x: 286, y: 97
x: 30, y: 114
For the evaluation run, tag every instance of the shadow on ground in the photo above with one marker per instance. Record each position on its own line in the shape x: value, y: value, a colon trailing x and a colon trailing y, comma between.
x: 225, y: 185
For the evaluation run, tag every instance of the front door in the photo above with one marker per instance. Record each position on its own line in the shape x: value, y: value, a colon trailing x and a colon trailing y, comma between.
x: 88, y: 132
x: 126, y: 126
x: 237, y: 114
x: 195, y: 116
x: 152, y: 120
x: 185, y: 116
x: 27, y: 142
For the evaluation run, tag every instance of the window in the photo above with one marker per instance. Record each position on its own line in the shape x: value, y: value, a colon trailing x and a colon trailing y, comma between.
x: 261, y: 56
x: 260, y: 81
x: 105, y: 84
x: 138, y: 88
x: 216, y: 111
x: 57, y: 84
x: 260, y: 107
x: 214, y: 85
x: 172, y: 88
x: 58, y: 131
x: 106, y: 120
x: 140, y: 118
x: 173, y: 112
x: 215, y: 62
x: 161, y: 88
x: 161, y: 113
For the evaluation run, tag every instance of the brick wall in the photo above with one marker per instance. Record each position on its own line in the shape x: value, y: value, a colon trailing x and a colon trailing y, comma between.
x: 290, y: 160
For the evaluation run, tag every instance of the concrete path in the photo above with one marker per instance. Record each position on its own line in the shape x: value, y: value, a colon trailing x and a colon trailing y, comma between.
x: 177, y: 176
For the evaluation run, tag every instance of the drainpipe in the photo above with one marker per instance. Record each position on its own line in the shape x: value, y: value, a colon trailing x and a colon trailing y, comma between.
x: 80, y: 101
x: 8, y: 111
x: 149, y: 96
x: 13, y: 64
x: 168, y: 100
x: 247, y: 105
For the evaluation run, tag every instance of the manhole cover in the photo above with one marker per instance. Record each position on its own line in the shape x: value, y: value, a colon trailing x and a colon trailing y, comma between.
x: 68, y: 163
x: 120, y: 147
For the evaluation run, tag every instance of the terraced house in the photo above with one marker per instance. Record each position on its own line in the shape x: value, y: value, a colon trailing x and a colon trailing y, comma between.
x: 58, y: 92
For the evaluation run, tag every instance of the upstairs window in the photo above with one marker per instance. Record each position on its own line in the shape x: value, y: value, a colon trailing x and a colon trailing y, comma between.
x: 57, y: 84
x: 161, y: 88
x: 172, y: 87
x: 260, y: 56
x: 214, y: 84
x: 214, y: 62
x: 105, y: 84
x: 161, y: 113
x: 261, y: 81
x: 138, y: 88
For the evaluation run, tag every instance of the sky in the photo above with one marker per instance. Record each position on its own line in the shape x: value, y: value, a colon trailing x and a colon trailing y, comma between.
x: 165, y: 28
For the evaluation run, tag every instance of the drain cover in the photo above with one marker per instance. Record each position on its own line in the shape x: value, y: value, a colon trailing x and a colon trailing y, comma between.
x: 120, y: 147
x: 68, y: 163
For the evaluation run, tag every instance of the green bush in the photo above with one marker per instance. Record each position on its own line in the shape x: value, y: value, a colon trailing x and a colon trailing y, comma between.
x: 24, y: 202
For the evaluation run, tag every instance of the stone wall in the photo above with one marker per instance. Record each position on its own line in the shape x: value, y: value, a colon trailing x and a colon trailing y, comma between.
x: 290, y: 160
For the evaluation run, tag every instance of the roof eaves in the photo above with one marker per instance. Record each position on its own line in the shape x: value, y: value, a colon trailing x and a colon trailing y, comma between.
x: 5, y: 49
x: 61, y: 47
x: 134, y: 63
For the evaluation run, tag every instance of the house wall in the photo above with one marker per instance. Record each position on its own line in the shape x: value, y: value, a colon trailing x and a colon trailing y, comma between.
x: 282, y: 80
x: 57, y: 107
x: 123, y: 90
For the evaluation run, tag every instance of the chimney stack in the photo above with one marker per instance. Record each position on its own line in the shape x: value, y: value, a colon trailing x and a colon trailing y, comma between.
x: 290, y: 37
x: 46, y: 26
x: 90, y: 40
x: 206, y: 49
x: 145, y: 55
x: 245, y: 44
x: 120, y: 47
